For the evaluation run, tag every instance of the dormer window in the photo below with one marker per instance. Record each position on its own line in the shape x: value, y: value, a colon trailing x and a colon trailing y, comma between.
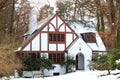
x: 57, y: 37
x: 89, y: 37
x: 26, y: 36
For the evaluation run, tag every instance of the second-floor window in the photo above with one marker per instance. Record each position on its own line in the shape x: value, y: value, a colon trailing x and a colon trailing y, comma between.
x: 57, y: 37
x: 89, y: 37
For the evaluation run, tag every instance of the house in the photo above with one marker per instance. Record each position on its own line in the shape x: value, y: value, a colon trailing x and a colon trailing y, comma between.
x: 56, y: 38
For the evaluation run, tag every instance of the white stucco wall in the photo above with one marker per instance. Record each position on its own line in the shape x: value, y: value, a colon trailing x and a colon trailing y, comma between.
x: 44, y: 41
x: 52, y: 47
x: 57, y: 69
x: 68, y: 39
x: 81, y: 47
x: 61, y: 47
x: 27, y: 48
x: 62, y: 28
x: 98, y: 46
x: 36, y: 43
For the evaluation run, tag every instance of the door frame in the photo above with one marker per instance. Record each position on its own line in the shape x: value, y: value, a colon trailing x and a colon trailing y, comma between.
x: 80, y: 61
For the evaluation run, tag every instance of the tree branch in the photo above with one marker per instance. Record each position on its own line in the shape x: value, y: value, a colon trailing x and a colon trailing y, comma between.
x: 2, y: 3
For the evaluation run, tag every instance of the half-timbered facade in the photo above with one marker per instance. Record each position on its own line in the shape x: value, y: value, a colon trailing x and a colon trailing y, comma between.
x: 55, y: 38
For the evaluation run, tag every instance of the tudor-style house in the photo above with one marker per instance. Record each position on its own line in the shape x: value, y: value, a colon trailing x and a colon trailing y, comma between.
x: 56, y: 38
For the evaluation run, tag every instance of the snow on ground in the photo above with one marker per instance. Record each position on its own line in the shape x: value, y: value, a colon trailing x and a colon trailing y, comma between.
x: 80, y: 75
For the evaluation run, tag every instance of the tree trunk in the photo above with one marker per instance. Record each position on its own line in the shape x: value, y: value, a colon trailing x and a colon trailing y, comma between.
x: 109, y: 16
x: 98, y: 20
x: 2, y: 4
x: 108, y: 72
x: 117, y: 22
x: 12, y: 17
x: 102, y: 21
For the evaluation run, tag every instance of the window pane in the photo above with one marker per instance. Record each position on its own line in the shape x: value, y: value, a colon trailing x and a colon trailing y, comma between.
x: 89, y: 37
x: 32, y: 55
x: 56, y: 58
x: 50, y: 57
x: 54, y: 37
x: 62, y: 37
x: 58, y: 37
x: 62, y: 57
x: 50, y: 37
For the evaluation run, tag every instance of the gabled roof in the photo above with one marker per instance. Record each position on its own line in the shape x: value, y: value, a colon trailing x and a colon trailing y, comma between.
x: 87, y: 27
x: 82, y: 26
x: 41, y: 26
x: 77, y: 26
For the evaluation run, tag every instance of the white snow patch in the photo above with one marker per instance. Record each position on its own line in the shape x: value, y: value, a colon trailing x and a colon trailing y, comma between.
x: 80, y: 75
x: 118, y: 61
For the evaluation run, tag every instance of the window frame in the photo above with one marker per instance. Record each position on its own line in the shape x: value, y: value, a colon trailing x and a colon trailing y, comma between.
x: 56, y: 57
x: 89, y: 37
x: 56, y: 37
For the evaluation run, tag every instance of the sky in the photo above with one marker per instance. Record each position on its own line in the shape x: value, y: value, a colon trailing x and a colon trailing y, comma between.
x: 40, y: 3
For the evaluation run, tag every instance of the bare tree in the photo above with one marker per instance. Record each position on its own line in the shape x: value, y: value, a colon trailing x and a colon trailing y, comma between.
x: 6, y: 11
x: 107, y: 13
x: 76, y: 9
x: 2, y: 3
x: 21, y: 19
x: 109, y: 17
x: 44, y: 12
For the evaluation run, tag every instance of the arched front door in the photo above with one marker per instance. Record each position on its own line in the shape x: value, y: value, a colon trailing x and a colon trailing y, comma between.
x: 80, y: 61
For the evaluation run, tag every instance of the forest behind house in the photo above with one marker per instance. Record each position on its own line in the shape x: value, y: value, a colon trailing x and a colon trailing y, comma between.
x: 14, y: 22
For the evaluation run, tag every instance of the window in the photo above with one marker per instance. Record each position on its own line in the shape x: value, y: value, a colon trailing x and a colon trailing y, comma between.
x: 55, y: 74
x: 32, y: 55
x: 26, y: 36
x: 56, y: 58
x: 89, y: 37
x: 56, y: 37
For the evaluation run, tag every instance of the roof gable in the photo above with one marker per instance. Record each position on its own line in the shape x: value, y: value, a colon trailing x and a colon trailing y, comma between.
x: 57, y: 23
x: 82, y: 26
x: 51, y: 24
x: 88, y: 27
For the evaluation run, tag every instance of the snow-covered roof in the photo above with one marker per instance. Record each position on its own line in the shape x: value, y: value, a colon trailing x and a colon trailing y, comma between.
x: 82, y: 26
x: 79, y: 27
x: 87, y: 27
x: 44, y: 21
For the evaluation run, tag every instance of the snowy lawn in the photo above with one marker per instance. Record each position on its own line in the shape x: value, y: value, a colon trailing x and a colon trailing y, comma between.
x: 80, y: 75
